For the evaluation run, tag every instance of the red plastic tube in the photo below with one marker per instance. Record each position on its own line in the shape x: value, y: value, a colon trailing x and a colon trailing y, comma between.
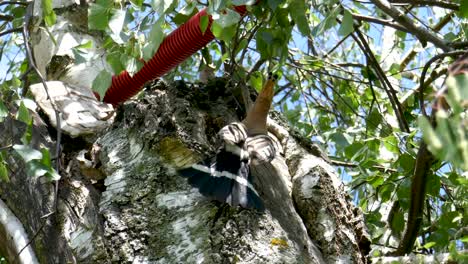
x: 175, y: 48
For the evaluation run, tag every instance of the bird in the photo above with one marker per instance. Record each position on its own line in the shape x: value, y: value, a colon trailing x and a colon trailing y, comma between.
x: 227, y: 177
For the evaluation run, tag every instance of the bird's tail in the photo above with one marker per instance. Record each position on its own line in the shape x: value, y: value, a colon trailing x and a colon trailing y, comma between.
x: 227, y: 179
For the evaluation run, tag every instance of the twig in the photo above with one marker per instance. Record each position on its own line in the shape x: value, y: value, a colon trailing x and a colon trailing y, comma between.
x: 6, y: 32
x: 254, y: 68
x: 422, y: 167
x: 252, y: 34
x: 29, y: 55
x: 459, y: 45
x: 13, y: 3
x: 439, y: 3
x: 351, y: 64
x: 352, y: 165
x: 30, y: 241
x: 437, y: 27
x: 421, y: 33
x: 6, y: 17
x: 424, y: 71
x: 380, y: 21
x: 391, y: 93
x: 336, y: 46
x: 6, y: 147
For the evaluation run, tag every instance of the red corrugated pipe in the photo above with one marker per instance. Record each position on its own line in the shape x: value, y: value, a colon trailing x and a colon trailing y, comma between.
x: 175, y: 48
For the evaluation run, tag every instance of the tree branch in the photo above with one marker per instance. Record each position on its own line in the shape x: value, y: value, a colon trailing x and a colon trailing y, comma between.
x: 439, y: 3
x: 352, y: 165
x: 13, y: 3
x: 421, y: 33
x: 6, y: 147
x: 422, y: 167
x: 424, y: 71
x: 29, y: 55
x: 6, y: 32
x: 459, y: 45
x: 391, y: 93
x: 380, y: 21
x: 6, y: 17
x: 437, y: 27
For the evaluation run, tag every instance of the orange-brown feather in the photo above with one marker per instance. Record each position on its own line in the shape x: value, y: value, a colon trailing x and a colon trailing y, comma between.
x: 257, y: 116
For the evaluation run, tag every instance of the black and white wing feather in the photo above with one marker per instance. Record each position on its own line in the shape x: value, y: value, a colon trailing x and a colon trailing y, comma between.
x: 227, y: 178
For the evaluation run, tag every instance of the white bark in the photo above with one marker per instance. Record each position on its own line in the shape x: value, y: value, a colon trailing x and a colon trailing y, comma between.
x: 14, y: 237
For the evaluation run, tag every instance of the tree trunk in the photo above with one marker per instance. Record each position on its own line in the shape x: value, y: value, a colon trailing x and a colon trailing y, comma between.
x: 121, y: 200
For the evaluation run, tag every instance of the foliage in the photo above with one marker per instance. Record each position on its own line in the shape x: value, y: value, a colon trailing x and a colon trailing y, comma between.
x: 351, y: 73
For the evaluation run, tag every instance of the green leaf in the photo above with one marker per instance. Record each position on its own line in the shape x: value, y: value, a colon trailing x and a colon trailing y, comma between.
x: 347, y: 25
x: 48, y: 12
x: 386, y: 192
x: 80, y: 56
x: 188, y: 9
x: 391, y: 143
x: 46, y: 157
x: 374, y: 119
x: 52, y: 175
x: 398, y: 222
x: 204, y: 21
x: 341, y: 139
x: 457, y: 92
x: 114, y: 61
x: 463, y: 10
x: 404, y: 192
x: 3, y: 170
x: 273, y: 4
x: 3, y: 111
x: 429, y: 245
x: 264, y: 39
x: 433, y: 185
x: 98, y: 16
x: 133, y: 66
x: 27, y: 153
x: 327, y: 23
x: 27, y: 136
x: 80, y: 52
x: 241, y: 46
x: 376, y: 181
x: 136, y: 3
x: 102, y: 82
x: 156, y: 37
x: 116, y: 24
x: 162, y: 6
x: 406, y: 162
x: 216, y: 6
x: 225, y: 34
x: 87, y: 45
x: 23, y: 114
x: 36, y: 169
x: 297, y: 9
x: 429, y: 135
x: 256, y: 80
x: 227, y: 18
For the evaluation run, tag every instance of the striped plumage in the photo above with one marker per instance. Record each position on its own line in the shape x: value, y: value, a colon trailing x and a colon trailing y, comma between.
x: 227, y: 177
